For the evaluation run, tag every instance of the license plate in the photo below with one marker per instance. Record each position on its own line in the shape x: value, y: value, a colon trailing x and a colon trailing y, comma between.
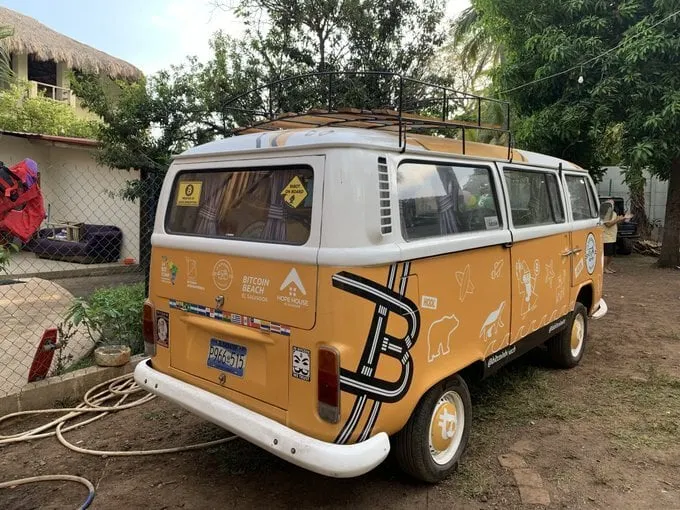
x: 227, y: 357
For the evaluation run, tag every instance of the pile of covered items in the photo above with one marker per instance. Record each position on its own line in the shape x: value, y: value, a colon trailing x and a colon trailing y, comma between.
x: 21, y: 201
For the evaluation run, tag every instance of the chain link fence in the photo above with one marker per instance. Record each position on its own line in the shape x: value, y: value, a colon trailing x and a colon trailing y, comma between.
x: 84, y: 272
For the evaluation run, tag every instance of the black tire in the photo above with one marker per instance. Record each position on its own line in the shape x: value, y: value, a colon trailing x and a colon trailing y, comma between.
x: 625, y: 247
x: 560, y: 346
x: 411, y: 445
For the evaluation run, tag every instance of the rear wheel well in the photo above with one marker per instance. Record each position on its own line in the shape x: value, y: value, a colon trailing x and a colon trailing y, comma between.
x: 585, y: 296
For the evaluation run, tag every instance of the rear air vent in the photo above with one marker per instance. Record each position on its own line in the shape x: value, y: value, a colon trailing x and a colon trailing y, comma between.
x: 385, y: 202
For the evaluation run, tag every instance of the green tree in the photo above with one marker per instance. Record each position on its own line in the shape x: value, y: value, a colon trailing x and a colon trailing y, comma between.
x: 575, y: 69
x: 478, y: 50
x: 322, y: 35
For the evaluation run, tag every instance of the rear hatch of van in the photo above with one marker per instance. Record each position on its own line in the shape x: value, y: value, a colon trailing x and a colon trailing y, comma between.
x: 236, y: 266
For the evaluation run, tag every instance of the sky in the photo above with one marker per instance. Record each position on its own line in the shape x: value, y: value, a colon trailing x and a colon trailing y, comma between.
x: 151, y: 34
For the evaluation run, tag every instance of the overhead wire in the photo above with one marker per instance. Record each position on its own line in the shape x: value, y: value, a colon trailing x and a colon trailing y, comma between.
x: 592, y: 59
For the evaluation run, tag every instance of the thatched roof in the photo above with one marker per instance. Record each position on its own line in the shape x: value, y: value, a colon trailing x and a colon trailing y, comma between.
x: 32, y: 37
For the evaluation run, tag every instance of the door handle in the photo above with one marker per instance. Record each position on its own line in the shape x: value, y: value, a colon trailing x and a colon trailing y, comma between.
x: 567, y: 253
x: 576, y: 250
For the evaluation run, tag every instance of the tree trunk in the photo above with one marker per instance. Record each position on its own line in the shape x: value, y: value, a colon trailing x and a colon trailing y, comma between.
x: 637, y: 209
x: 670, y: 248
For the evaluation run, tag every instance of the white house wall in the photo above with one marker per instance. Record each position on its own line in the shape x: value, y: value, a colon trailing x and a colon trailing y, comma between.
x: 656, y: 192
x: 78, y: 189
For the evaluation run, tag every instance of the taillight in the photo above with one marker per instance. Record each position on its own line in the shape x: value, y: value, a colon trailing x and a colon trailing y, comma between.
x: 328, y: 381
x: 149, y: 328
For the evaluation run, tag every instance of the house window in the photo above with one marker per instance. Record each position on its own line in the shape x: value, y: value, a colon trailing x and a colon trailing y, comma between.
x: 534, y: 198
x: 441, y: 199
x: 42, y: 71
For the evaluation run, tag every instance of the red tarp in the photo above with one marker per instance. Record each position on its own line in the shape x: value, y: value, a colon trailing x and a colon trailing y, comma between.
x: 22, y: 217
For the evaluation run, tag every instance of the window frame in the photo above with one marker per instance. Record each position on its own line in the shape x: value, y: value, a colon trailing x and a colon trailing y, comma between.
x: 592, y: 195
x: 304, y: 254
x: 493, y: 182
x: 560, y: 197
x: 221, y: 170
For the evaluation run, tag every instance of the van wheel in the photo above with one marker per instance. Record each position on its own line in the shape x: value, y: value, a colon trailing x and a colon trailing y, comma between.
x: 435, y: 436
x: 567, y: 348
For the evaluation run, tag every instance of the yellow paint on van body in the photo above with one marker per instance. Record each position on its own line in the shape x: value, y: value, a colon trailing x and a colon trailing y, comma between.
x: 470, y: 305
x: 374, y: 271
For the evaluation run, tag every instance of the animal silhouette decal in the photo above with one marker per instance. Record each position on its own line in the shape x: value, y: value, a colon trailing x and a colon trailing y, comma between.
x: 439, y: 336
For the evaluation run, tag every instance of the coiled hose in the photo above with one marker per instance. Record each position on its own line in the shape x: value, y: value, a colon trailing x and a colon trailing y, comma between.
x: 118, y: 389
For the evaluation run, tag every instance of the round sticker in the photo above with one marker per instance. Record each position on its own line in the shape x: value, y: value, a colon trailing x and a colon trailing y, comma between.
x: 223, y: 275
x: 591, y: 253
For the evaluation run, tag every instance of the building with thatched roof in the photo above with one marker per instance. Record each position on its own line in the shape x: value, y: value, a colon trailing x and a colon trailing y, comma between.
x: 44, y: 57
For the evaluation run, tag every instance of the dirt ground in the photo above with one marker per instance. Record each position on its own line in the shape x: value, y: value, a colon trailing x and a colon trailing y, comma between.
x: 603, y: 435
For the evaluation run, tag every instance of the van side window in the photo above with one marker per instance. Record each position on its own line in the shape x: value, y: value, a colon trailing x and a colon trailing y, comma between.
x: 581, y: 196
x: 439, y: 199
x: 534, y: 198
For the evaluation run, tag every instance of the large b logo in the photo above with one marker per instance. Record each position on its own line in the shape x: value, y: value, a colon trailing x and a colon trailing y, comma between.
x: 362, y: 381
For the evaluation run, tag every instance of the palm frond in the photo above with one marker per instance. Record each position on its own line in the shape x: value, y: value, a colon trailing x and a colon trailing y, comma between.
x: 5, y: 63
x: 465, y: 25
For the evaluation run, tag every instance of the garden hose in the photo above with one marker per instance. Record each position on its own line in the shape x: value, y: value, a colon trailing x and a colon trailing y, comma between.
x: 96, y: 402
x: 55, y: 478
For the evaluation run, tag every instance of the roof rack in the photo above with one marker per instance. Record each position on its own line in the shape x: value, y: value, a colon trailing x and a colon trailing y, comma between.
x: 370, y: 100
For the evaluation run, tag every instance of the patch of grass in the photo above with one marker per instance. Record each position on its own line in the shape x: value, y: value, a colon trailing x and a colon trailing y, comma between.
x: 473, y: 480
x: 86, y: 362
x: 519, y: 393
x: 646, y: 410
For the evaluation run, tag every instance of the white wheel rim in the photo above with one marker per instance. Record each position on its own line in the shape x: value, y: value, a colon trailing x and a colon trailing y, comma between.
x: 578, y: 329
x: 446, y: 426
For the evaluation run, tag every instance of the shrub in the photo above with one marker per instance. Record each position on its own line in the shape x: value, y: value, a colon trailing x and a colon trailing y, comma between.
x: 18, y: 112
x: 112, y: 316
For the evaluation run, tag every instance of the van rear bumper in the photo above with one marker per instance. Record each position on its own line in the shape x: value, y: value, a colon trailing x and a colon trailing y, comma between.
x: 600, y: 309
x: 341, y: 461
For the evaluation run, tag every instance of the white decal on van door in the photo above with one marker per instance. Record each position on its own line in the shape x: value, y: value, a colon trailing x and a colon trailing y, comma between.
x: 439, y: 343
x: 493, y: 321
x: 292, y: 285
x: 490, y: 328
x: 496, y: 271
x: 527, y: 286
x: 560, y: 288
x: 579, y: 268
x: 463, y: 279
x: 549, y: 273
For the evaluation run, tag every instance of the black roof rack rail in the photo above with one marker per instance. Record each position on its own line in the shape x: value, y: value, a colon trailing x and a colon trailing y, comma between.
x: 372, y: 100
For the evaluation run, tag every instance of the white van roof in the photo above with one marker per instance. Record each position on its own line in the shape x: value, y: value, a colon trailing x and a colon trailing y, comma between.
x: 291, y: 139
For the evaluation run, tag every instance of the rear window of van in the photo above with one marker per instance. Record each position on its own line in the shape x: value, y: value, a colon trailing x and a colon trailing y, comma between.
x: 269, y: 204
